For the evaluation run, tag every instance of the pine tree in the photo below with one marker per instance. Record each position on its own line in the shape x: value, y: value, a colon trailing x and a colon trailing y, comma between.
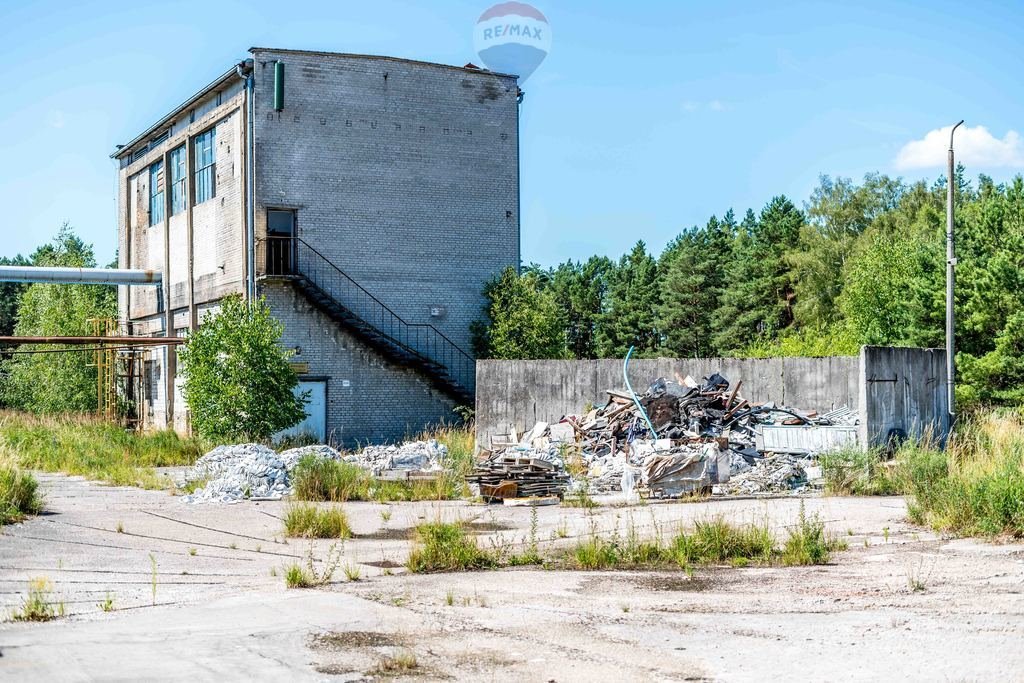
x: 630, y: 318
x: 691, y: 286
x: 579, y: 292
x: 758, y: 296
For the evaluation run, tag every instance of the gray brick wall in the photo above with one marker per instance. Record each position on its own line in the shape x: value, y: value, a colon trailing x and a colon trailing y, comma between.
x: 368, y: 397
x: 404, y: 174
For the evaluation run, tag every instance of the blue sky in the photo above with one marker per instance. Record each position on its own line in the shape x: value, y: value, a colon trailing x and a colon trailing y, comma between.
x: 640, y: 123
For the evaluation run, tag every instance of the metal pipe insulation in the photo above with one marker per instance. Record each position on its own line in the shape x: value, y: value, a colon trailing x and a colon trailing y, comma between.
x: 98, y: 276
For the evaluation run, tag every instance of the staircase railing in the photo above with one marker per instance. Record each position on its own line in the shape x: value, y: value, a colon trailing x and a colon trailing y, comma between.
x: 292, y: 256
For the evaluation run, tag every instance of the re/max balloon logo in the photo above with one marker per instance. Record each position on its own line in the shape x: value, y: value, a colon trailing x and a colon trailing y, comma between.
x: 510, y: 30
x: 512, y: 38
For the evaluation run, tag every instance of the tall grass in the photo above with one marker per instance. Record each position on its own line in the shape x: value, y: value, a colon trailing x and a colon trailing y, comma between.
x: 858, y: 472
x: 18, y: 494
x: 328, y: 480
x: 316, y: 479
x: 975, y: 487
x: 93, y: 448
x: 712, y: 541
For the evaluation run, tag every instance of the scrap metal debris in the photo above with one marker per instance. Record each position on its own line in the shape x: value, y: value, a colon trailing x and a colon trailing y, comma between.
x: 706, y: 438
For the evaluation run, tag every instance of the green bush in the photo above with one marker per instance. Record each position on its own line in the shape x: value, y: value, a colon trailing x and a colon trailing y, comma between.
x: 238, y: 383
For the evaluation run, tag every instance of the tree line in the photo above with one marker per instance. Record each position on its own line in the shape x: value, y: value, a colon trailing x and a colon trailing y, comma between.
x: 36, y: 378
x: 860, y: 263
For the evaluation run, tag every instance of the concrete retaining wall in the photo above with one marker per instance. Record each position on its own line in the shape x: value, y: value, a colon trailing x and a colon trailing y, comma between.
x: 892, y: 388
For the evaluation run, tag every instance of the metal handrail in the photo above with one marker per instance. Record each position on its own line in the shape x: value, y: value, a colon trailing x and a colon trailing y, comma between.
x: 429, y: 342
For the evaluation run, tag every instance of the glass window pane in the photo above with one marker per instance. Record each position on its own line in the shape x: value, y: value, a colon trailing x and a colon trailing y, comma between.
x: 156, y: 193
x: 178, y: 180
x: 205, y: 166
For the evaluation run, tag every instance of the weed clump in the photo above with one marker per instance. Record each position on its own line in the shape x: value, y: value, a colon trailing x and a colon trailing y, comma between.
x: 309, y: 521
x: 712, y: 541
x: 717, y: 541
x: 19, y: 495
x: 446, y: 546
x: 38, y: 605
x: 299, y: 576
x: 808, y: 543
x: 401, y: 663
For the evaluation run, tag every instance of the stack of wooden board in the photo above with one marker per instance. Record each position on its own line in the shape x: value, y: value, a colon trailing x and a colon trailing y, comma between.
x: 510, y: 476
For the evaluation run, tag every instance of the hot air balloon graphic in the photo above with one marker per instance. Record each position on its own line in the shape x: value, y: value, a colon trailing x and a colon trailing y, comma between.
x: 512, y: 38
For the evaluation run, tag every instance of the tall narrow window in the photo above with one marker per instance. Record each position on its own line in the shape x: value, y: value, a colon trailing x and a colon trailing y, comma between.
x: 205, y: 177
x: 178, y: 198
x: 156, y: 193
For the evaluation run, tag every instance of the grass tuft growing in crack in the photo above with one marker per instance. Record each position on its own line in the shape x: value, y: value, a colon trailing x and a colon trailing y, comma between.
x: 446, y: 546
x: 310, y: 521
x: 808, y: 542
x: 38, y: 605
x: 308, y: 576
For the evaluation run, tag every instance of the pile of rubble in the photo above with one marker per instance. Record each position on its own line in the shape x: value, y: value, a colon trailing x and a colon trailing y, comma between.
x: 247, y: 471
x: 423, y: 456
x: 680, y: 437
x: 252, y: 471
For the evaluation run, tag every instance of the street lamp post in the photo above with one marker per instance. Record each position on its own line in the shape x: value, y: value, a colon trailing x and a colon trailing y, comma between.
x: 950, y: 283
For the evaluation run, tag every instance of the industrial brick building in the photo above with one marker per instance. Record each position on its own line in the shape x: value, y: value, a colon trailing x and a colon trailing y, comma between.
x: 368, y: 198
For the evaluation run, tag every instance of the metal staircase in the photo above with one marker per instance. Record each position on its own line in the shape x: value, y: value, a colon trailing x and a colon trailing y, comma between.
x: 420, y: 346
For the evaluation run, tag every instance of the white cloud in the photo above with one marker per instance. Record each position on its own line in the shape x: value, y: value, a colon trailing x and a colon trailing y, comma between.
x: 57, y: 119
x: 973, y: 146
x: 713, y: 105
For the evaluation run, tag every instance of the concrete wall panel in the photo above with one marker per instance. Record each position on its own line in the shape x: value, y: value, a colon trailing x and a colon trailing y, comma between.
x: 522, y: 392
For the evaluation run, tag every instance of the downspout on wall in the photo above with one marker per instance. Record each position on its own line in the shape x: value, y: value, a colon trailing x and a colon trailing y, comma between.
x: 246, y: 71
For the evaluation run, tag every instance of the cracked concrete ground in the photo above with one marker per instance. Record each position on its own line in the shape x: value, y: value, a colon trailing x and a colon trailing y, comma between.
x: 220, y: 610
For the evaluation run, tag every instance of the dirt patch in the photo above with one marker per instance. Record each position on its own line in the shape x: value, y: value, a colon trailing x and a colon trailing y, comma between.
x: 387, y: 535
x: 673, y: 582
x: 335, y: 670
x: 660, y: 581
x: 486, y: 527
x: 344, y: 640
x: 384, y: 564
